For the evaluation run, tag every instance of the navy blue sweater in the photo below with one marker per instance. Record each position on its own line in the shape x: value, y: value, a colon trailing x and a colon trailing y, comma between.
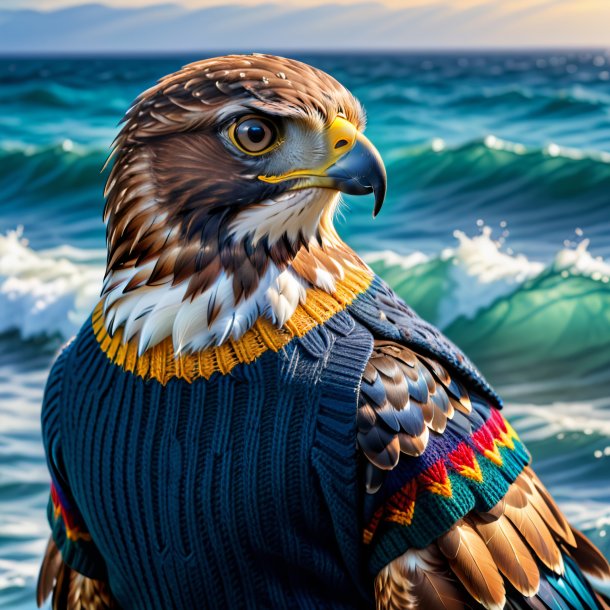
x: 238, y: 491
x: 211, y: 483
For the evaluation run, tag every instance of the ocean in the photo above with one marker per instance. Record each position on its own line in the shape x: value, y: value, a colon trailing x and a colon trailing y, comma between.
x: 496, y: 228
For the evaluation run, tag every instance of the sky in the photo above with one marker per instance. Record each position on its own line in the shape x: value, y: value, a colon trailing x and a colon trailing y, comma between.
x: 593, y: 10
x: 522, y: 22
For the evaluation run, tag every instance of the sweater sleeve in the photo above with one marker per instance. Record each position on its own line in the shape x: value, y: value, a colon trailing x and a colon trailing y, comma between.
x: 68, y: 527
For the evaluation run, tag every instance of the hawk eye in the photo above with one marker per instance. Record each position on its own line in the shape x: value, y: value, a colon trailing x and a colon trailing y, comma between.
x: 254, y: 135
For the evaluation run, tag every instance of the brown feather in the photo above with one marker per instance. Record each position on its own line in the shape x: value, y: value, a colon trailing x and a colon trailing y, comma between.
x: 472, y: 563
x: 457, y: 393
x: 400, y: 353
x: 427, y: 409
x: 413, y: 445
x: 418, y: 579
x: 588, y: 557
x: 164, y: 267
x: 439, y: 371
x: 138, y: 279
x: 385, y: 364
x: 536, y: 534
x: 516, y: 497
x: 370, y: 372
x: 462, y: 407
x: 397, y: 391
x: 380, y: 446
x: 509, y: 552
x: 397, y: 383
x: 602, y: 600
x: 71, y: 590
x: 49, y: 569
x: 560, y: 521
x: 554, y: 520
x: 365, y: 417
x: 439, y: 417
x: 390, y: 593
x: 305, y: 266
x: 61, y: 592
x: 95, y: 595
x: 74, y: 591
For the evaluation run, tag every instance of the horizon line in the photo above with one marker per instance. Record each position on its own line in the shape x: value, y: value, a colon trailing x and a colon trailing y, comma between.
x: 311, y: 51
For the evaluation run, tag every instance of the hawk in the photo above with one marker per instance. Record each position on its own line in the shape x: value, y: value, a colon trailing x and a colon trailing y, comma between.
x: 250, y: 418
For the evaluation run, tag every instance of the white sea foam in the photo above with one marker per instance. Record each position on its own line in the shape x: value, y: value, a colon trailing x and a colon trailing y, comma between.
x: 44, y: 293
x: 50, y: 292
x: 538, y: 422
x: 481, y: 271
x: 389, y: 257
x: 579, y: 261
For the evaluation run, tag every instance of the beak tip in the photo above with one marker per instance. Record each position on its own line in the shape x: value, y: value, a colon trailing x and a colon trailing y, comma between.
x: 360, y: 172
x: 380, y: 194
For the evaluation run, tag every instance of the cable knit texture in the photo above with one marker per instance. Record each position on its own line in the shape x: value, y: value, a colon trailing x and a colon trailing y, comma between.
x: 240, y: 488
x: 240, y: 491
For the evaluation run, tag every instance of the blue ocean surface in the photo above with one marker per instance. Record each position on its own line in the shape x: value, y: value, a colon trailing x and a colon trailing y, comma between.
x: 496, y: 228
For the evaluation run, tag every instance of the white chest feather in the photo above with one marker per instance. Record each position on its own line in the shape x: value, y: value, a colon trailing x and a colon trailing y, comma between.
x: 154, y: 313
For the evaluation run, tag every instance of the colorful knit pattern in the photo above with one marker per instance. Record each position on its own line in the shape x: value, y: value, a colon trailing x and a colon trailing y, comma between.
x: 197, y: 484
x: 71, y: 535
x: 475, y: 473
x: 63, y: 516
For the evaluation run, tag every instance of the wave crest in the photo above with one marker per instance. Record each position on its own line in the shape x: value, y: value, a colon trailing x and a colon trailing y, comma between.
x: 518, y: 319
x: 45, y: 293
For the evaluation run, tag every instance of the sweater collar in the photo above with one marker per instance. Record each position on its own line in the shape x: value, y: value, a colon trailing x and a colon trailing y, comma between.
x: 161, y: 363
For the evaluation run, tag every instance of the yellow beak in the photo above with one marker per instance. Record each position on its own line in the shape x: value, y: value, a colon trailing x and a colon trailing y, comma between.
x: 352, y: 165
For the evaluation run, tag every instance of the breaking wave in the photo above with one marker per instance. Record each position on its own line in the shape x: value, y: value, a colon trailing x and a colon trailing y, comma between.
x: 478, y: 161
x: 58, y: 169
x: 487, y: 300
x: 517, y: 318
x: 46, y: 293
x: 472, y: 166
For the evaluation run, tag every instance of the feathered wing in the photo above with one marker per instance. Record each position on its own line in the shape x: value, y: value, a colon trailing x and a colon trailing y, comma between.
x: 418, y: 424
x: 404, y: 397
x: 71, y: 590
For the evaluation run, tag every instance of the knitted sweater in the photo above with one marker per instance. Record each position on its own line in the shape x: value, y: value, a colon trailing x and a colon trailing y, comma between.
x: 231, y: 478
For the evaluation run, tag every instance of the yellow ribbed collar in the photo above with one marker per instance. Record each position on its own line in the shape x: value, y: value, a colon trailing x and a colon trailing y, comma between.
x: 160, y: 363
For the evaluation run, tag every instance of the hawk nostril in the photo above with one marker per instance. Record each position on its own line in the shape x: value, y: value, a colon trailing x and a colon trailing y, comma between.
x: 341, y: 143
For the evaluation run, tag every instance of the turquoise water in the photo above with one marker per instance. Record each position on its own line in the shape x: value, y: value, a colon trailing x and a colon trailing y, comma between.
x: 496, y: 228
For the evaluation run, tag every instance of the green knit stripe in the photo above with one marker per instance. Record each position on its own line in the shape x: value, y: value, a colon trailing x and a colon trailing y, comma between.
x: 80, y: 554
x: 435, y: 513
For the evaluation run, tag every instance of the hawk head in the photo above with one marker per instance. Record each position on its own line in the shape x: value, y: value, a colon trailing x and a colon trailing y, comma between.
x: 219, y: 204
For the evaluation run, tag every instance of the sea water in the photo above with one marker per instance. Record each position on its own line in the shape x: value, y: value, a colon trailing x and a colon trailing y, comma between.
x: 496, y: 228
